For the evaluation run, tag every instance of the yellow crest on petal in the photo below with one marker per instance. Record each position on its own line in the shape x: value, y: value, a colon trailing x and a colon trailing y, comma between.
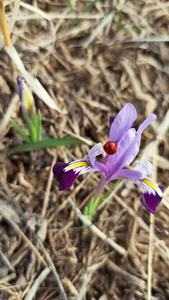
x: 77, y: 164
x: 153, y: 185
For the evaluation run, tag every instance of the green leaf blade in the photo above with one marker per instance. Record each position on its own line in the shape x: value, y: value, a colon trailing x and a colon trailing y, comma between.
x: 48, y: 143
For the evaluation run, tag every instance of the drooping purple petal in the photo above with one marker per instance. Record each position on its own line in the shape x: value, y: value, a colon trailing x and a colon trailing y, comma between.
x: 150, y: 201
x: 152, y: 193
x: 123, y: 122
x: 161, y: 187
x: 66, y: 173
x: 146, y: 122
x: 65, y: 179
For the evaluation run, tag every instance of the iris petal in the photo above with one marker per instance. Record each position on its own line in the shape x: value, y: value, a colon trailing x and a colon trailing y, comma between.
x: 127, y: 150
x: 150, y: 202
x: 152, y: 193
x: 127, y: 174
x: 95, y: 151
x: 146, y: 122
x: 142, y: 169
x: 66, y: 173
x: 123, y: 122
x: 149, y: 167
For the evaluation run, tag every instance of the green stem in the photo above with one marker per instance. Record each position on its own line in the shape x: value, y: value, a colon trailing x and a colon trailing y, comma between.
x: 48, y: 143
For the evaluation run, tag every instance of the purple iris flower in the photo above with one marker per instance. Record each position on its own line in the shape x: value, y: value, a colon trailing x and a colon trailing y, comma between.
x: 113, y: 166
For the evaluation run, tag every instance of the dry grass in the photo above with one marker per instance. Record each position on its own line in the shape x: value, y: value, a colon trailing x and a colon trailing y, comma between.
x: 118, y: 54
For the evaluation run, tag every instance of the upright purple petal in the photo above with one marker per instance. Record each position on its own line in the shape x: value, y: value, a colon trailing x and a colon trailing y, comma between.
x: 149, y: 167
x: 146, y: 168
x: 128, y: 148
x: 123, y: 122
x: 111, y: 120
x: 147, y: 122
x: 95, y: 151
x: 142, y: 169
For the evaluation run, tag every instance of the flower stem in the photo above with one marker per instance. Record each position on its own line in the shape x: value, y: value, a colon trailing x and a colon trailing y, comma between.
x: 4, y: 25
x: 101, y: 186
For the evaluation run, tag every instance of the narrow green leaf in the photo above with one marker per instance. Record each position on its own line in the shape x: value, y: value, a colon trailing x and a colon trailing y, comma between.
x: 71, y: 6
x: 84, y: 11
x: 20, y: 131
x: 48, y: 143
x: 39, y: 125
x: 89, y: 6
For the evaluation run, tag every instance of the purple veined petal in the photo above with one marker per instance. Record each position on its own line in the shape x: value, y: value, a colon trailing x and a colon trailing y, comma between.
x: 111, y: 120
x: 161, y: 187
x: 127, y: 174
x: 152, y: 193
x: 150, y: 202
x: 66, y: 173
x: 146, y: 122
x: 148, y: 185
x: 123, y: 122
x: 128, y: 148
x: 95, y: 151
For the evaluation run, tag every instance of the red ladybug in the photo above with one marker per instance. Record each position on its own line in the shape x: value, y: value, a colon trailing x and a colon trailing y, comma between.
x: 110, y: 148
